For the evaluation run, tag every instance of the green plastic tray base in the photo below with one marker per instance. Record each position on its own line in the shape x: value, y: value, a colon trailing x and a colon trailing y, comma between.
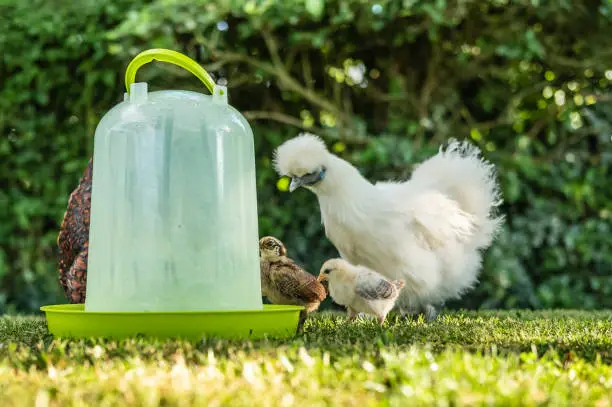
x: 72, y: 321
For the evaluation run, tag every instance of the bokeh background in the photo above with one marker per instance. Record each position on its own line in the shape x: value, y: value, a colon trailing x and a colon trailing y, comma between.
x: 384, y: 82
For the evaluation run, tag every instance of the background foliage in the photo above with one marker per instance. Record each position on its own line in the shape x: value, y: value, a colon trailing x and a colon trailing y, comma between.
x: 384, y: 83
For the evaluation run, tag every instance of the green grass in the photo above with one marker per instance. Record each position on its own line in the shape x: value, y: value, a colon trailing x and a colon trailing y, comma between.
x: 555, y: 358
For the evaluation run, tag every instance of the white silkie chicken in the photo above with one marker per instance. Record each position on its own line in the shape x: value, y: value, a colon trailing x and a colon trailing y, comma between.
x: 360, y: 289
x: 428, y: 231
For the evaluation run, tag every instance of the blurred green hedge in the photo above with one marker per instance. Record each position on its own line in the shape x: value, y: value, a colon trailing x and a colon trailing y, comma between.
x: 383, y: 82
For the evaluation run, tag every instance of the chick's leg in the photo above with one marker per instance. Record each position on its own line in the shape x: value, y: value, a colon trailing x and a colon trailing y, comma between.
x: 351, y: 314
x: 303, y: 316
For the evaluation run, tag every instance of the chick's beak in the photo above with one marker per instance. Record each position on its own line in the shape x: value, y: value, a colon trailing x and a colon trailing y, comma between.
x: 296, y: 182
x: 322, y: 277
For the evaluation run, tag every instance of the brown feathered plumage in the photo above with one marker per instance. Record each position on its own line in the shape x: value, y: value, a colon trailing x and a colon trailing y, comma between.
x: 284, y: 282
x: 73, y: 240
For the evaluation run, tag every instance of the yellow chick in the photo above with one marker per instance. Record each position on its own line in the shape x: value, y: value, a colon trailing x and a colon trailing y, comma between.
x: 360, y: 289
x: 285, y: 283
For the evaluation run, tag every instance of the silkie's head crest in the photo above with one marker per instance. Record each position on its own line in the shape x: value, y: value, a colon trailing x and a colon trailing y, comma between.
x: 304, y: 159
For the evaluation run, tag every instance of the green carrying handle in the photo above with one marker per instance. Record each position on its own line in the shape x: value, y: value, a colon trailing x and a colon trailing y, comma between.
x: 172, y: 57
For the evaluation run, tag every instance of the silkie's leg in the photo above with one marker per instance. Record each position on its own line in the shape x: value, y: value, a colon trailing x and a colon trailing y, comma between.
x: 430, y: 312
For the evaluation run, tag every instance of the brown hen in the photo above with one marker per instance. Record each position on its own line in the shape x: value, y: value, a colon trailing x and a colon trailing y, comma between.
x: 73, y: 240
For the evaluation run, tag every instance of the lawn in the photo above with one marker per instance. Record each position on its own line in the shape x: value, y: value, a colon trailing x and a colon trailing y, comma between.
x: 555, y: 358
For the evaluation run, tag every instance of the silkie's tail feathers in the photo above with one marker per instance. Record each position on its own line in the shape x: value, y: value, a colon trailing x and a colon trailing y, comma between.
x: 460, y: 172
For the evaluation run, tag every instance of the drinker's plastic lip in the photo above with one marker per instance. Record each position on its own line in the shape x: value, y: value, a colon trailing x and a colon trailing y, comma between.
x: 272, y: 321
x: 79, y: 309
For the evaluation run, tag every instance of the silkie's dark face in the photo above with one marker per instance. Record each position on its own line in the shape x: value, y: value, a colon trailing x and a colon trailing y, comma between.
x: 307, y: 180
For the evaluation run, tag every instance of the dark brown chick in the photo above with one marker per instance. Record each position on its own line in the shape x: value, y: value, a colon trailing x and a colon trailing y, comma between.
x: 73, y: 240
x: 285, y: 283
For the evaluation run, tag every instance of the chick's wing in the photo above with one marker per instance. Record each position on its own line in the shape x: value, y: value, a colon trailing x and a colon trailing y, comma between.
x: 372, y: 287
x: 288, y: 278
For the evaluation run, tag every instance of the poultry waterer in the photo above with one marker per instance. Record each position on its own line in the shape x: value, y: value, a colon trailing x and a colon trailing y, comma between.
x: 173, y: 240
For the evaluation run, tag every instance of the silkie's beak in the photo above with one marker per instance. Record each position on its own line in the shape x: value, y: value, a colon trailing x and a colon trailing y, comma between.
x: 322, y: 277
x: 306, y: 180
x: 296, y: 182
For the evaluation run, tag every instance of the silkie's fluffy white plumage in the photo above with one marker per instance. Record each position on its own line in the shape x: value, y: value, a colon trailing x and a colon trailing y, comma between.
x: 360, y: 289
x: 429, y: 231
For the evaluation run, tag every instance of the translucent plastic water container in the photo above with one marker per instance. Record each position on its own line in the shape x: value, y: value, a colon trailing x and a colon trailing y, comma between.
x: 174, y: 205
